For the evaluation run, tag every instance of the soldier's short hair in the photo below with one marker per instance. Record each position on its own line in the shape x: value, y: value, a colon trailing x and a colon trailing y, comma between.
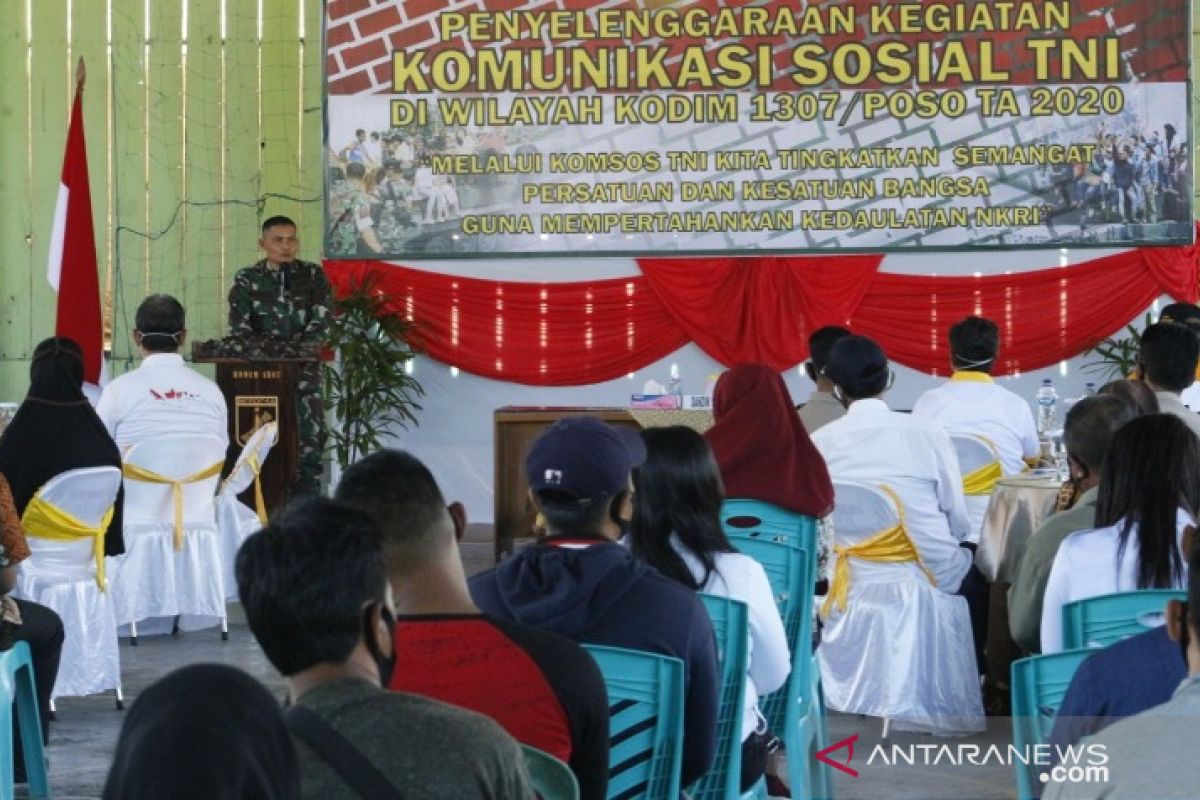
x: 275, y: 221
x: 356, y: 169
x: 160, y: 320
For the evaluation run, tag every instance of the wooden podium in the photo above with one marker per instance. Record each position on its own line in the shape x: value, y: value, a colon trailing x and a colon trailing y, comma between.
x: 260, y: 390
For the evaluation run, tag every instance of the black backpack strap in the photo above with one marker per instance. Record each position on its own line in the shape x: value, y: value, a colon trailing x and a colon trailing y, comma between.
x: 346, y: 760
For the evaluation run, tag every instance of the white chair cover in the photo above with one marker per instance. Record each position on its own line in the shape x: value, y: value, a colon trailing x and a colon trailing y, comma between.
x: 153, y: 579
x: 902, y: 650
x: 974, y: 453
x: 62, y: 576
x: 236, y: 521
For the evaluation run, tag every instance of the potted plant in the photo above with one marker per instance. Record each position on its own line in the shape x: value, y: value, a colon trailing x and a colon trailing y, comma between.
x: 1118, y: 353
x: 368, y: 387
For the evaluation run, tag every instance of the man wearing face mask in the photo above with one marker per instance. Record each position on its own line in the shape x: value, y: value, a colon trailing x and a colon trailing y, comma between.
x: 913, y: 457
x: 580, y: 583
x: 163, y: 396
x: 1087, y: 432
x: 315, y: 590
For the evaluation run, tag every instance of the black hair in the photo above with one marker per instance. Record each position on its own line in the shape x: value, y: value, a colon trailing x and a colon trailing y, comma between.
x: 858, y: 366
x: 1090, y: 426
x: 305, y: 579
x: 974, y: 343
x: 356, y: 169
x: 399, y: 494
x: 1136, y: 393
x: 821, y: 342
x: 1182, y: 314
x: 160, y: 320
x: 1152, y: 469
x: 678, y: 491
x: 278, y: 219
x: 567, y: 514
x: 1193, y: 585
x: 1168, y: 355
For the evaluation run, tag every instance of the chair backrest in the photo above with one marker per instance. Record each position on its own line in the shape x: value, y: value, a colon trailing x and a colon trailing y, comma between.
x: 645, y: 706
x: 175, y: 458
x: 731, y: 626
x: 1038, y: 686
x: 973, y: 453
x: 1109, y: 618
x: 860, y: 511
x: 755, y: 519
x: 86, y: 494
x: 259, y: 444
x: 551, y: 779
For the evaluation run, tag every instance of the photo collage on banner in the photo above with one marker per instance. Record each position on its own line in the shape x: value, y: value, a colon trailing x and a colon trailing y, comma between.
x: 539, y: 128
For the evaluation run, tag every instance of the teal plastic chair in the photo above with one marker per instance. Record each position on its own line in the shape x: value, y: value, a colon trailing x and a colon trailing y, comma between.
x: 1109, y: 618
x: 645, y: 706
x: 551, y: 779
x: 785, y: 544
x: 16, y: 683
x: 1038, y: 686
x: 731, y: 625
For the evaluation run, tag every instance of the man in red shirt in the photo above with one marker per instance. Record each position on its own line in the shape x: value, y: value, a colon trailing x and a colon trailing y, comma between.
x: 543, y: 688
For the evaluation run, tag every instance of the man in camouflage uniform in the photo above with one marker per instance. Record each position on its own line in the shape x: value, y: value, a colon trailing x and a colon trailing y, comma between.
x: 287, y: 298
x: 352, y: 229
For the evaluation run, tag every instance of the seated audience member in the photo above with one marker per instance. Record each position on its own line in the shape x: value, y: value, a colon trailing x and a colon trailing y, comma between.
x: 1150, y: 755
x: 1137, y: 394
x: 760, y: 446
x: 972, y: 404
x: 163, y: 396
x: 544, y: 689
x: 56, y: 430
x: 1089, y: 428
x: 579, y: 582
x: 1148, y: 498
x: 677, y: 530
x: 914, y: 458
x: 23, y: 621
x: 315, y: 590
x: 208, y: 732
x: 821, y: 408
x: 1167, y: 363
x: 1188, y: 315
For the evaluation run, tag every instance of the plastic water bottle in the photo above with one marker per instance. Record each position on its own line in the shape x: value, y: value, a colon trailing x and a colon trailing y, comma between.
x: 674, y: 385
x: 1047, y: 407
x: 1089, y: 389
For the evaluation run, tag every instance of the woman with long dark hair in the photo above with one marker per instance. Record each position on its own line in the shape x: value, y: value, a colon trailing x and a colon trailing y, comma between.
x: 677, y: 530
x: 1148, y: 501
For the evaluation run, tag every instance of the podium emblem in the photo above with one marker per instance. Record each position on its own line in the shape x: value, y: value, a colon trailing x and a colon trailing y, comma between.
x: 251, y: 412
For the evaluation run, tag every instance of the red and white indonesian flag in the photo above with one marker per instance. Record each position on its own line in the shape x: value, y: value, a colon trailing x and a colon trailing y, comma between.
x: 72, y: 269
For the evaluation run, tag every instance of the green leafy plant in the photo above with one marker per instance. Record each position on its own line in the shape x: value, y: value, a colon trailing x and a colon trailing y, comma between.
x: 1118, y: 353
x: 368, y: 387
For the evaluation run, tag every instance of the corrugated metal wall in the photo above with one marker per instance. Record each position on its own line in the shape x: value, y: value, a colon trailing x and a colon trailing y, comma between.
x: 202, y: 118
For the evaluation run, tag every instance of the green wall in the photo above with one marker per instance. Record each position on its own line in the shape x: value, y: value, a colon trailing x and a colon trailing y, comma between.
x: 203, y: 117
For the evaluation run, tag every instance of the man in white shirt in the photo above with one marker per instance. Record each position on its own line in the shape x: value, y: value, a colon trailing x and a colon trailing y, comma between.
x: 1167, y: 363
x: 822, y: 407
x: 164, y: 396
x: 1188, y: 315
x: 972, y: 404
x: 914, y: 458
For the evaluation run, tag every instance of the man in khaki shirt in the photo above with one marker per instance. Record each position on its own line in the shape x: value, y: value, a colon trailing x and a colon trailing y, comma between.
x: 822, y: 407
x: 1090, y: 426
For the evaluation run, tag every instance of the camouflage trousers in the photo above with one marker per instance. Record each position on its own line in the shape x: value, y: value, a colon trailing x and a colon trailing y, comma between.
x: 310, y: 423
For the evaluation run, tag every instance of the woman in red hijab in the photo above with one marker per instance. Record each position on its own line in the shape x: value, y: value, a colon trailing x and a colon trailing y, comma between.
x: 762, y: 449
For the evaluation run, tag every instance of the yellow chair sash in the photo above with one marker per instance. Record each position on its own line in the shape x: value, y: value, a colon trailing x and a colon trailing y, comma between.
x: 44, y: 520
x: 143, y: 475
x: 260, y: 505
x: 891, y: 546
x: 982, y: 480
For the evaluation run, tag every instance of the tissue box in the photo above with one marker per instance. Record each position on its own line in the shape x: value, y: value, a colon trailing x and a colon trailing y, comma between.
x: 659, y: 401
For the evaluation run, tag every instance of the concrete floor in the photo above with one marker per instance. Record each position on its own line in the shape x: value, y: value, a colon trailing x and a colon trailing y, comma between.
x: 85, y: 732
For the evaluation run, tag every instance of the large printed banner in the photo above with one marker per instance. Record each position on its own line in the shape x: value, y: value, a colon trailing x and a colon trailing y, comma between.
x: 546, y: 127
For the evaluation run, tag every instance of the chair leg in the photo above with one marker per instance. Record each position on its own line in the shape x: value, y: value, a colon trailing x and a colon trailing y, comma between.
x: 120, y: 699
x: 887, y: 723
x: 133, y: 633
x: 224, y: 629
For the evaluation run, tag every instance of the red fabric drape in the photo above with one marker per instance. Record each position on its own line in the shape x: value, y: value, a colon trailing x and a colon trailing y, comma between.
x: 761, y: 309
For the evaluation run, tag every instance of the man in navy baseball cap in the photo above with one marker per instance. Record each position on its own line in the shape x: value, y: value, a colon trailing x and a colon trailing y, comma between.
x: 579, y: 581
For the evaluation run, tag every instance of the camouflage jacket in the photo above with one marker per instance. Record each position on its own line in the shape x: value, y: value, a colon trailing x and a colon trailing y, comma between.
x: 349, y: 212
x: 291, y: 303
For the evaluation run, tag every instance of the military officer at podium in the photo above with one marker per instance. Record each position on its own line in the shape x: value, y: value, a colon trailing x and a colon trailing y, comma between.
x: 285, y: 297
